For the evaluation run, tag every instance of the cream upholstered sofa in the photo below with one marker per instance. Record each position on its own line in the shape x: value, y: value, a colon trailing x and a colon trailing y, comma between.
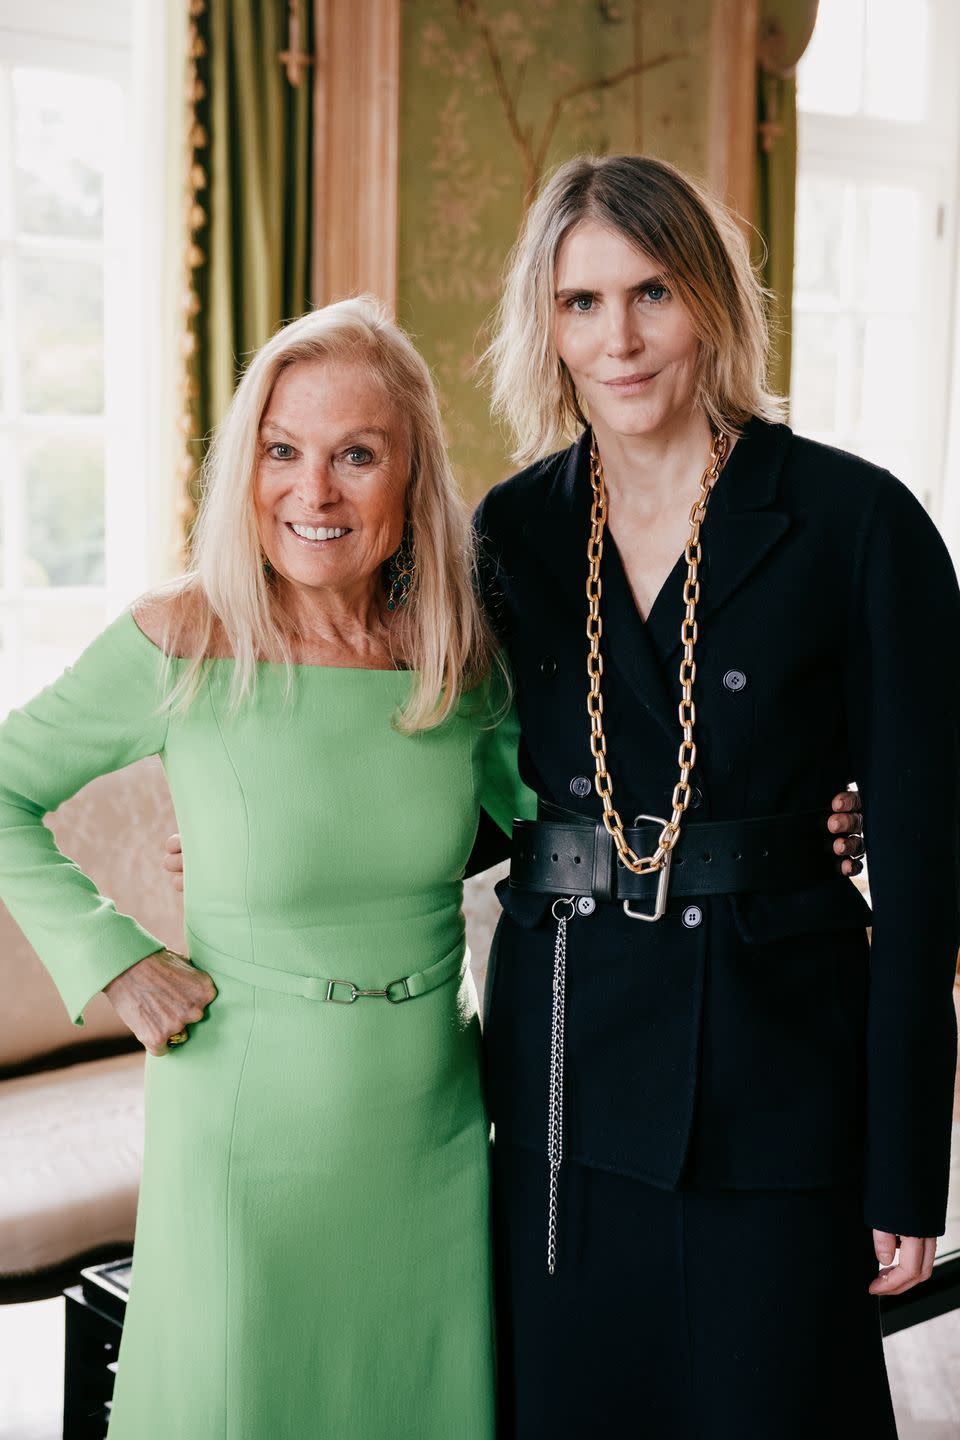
x: 71, y: 1098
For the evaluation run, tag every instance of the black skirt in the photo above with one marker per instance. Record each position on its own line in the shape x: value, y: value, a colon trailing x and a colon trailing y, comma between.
x: 684, y: 1315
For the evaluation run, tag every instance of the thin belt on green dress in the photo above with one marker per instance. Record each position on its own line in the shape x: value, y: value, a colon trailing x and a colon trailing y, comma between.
x: 337, y: 992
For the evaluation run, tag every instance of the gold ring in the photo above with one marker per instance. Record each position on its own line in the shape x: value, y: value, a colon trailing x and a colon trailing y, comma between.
x: 180, y: 1038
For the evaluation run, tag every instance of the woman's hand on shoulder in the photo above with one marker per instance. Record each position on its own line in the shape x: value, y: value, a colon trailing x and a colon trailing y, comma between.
x: 845, y: 824
x: 158, y: 996
x: 917, y: 1254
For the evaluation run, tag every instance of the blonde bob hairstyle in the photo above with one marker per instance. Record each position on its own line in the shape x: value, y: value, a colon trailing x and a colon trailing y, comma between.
x: 703, y: 257
x: 232, y: 600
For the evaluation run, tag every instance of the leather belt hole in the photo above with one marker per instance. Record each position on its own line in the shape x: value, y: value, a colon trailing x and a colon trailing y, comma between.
x: 576, y: 859
x: 556, y: 857
x: 708, y: 858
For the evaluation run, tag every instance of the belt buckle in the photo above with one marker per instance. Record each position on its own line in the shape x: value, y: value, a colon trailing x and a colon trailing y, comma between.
x: 663, y: 884
x: 389, y: 992
x: 341, y: 985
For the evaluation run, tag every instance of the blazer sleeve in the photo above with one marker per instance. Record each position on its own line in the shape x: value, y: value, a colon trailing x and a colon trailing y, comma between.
x: 904, y: 719
x: 101, y: 715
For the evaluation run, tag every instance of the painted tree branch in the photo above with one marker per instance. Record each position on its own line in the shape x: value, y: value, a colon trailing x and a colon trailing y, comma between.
x: 603, y: 82
x: 534, y: 154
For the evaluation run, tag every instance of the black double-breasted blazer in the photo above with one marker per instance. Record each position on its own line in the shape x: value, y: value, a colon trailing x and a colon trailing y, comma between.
x: 767, y: 1044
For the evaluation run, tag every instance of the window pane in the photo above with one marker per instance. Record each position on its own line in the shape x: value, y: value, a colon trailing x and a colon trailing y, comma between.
x: 62, y: 127
x: 825, y: 220
x: 817, y: 346
x: 63, y: 482
x: 891, y: 276
x: 56, y: 628
x: 61, y: 336
x: 889, y: 410
x: 897, y: 59
x: 870, y: 59
x: 830, y: 75
x: 7, y: 668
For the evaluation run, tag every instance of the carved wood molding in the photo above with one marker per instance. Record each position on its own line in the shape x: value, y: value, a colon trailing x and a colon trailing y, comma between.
x: 356, y: 123
x: 733, y: 102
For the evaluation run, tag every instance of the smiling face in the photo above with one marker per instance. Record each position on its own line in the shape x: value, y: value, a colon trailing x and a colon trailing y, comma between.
x: 627, y: 341
x: 331, y: 478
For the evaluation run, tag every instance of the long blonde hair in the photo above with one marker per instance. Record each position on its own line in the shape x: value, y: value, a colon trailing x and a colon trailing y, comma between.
x: 704, y: 258
x: 440, y: 633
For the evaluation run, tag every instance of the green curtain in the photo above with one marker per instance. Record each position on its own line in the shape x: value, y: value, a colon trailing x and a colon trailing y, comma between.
x: 776, y: 203
x: 258, y: 158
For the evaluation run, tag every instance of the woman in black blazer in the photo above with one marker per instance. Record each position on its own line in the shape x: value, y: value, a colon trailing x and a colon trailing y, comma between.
x: 711, y: 1125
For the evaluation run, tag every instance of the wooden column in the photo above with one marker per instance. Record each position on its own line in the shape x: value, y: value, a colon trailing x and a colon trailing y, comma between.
x: 355, y: 160
x: 733, y: 102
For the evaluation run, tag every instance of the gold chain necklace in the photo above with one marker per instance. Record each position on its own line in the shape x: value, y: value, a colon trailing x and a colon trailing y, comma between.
x: 670, y: 834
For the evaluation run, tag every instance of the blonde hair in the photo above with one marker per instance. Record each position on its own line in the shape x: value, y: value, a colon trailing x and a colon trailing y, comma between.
x: 704, y: 258
x: 440, y: 632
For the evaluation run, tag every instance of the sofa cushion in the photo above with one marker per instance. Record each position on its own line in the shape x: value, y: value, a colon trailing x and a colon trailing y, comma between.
x: 71, y: 1147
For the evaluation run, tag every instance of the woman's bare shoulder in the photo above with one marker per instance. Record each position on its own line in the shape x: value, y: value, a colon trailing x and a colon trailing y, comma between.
x: 174, y: 618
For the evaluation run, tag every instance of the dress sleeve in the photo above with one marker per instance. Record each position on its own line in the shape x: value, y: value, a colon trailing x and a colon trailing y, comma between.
x: 503, y: 794
x: 101, y: 715
x: 903, y: 717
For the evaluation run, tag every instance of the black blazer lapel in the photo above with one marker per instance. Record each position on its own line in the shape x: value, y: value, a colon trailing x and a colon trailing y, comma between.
x: 559, y: 537
x: 740, y: 531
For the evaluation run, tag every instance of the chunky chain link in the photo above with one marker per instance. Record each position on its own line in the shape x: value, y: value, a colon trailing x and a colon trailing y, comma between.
x: 670, y: 834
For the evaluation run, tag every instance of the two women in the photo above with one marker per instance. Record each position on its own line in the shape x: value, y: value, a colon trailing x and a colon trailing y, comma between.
x: 312, y: 1239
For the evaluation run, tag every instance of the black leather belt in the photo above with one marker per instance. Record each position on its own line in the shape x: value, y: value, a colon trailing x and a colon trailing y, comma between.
x: 565, y: 854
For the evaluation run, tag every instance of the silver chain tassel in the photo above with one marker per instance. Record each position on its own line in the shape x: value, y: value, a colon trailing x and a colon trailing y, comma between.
x: 555, y: 1110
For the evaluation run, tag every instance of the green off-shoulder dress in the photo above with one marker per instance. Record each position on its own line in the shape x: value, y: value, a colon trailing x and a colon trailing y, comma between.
x: 312, y: 1254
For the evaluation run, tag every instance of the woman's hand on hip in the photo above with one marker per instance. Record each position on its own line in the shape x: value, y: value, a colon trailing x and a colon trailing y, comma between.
x: 845, y: 823
x: 158, y: 996
x: 917, y: 1254
x: 173, y: 860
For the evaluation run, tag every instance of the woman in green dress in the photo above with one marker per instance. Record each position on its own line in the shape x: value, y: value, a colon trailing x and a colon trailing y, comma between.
x: 312, y: 1248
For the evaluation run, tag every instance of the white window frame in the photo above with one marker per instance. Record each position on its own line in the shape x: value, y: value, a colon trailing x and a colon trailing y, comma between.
x: 128, y: 42
x: 925, y: 156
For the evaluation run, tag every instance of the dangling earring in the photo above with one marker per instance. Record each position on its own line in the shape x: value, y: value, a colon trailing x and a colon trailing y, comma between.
x: 400, y: 572
x: 268, y: 570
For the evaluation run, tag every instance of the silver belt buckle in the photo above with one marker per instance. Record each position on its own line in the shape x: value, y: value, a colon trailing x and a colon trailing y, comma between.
x: 663, y: 884
x: 390, y: 993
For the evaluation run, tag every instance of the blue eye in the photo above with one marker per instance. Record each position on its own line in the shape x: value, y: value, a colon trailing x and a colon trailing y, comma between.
x: 580, y: 304
x: 365, y: 455
x: 276, y: 449
x: 656, y: 294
